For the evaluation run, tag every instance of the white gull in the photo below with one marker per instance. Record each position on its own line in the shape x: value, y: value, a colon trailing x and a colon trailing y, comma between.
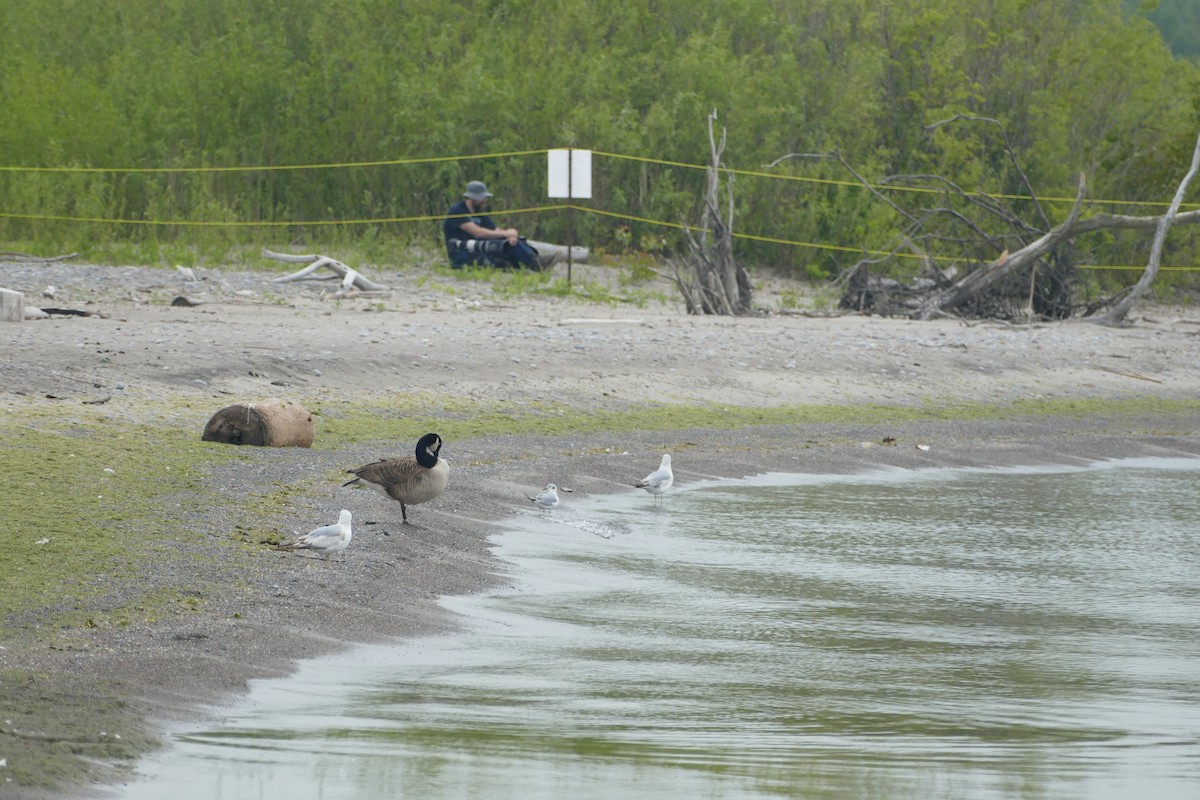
x: 548, y: 498
x: 327, y: 540
x: 658, y: 481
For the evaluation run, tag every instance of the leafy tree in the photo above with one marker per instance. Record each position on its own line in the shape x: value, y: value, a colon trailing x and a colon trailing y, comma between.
x: 1179, y: 21
x: 161, y: 84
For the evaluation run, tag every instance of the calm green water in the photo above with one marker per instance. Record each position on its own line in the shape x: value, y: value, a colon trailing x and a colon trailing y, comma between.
x: 943, y: 634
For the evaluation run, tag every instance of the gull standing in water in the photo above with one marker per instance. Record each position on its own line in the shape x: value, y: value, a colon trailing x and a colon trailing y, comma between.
x: 327, y: 540
x: 658, y: 481
x: 408, y: 479
x: 548, y: 498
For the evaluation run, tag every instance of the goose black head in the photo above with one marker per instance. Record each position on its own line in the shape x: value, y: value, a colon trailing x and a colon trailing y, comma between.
x: 428, y: 447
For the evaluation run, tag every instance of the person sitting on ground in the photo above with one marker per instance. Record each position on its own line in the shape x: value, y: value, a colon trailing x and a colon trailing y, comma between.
x: 473, y: 238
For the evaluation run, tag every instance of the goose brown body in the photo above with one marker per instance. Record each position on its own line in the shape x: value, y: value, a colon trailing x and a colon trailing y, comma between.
x: 408, y: 480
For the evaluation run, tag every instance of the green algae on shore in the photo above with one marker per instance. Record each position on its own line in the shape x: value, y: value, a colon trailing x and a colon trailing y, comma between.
x: 345, y: 423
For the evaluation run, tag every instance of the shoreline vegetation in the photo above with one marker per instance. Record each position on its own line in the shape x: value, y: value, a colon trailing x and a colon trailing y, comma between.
x: 219, y: 125
x: 141, y: 589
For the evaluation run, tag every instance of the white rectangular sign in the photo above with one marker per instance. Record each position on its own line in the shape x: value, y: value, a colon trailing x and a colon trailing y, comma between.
x: 570, y: 173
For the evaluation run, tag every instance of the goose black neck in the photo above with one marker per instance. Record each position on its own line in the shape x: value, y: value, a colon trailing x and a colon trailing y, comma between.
x: 428, y: 447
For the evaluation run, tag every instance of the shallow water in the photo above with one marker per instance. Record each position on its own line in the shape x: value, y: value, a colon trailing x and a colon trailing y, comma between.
x: 956, y: 634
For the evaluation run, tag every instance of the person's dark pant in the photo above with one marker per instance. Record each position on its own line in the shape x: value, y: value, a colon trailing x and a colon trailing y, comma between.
x: 510, y: 256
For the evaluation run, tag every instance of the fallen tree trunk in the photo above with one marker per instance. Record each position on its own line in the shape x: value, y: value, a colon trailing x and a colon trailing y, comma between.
x: 1020, y: 266
x: 973, y: 283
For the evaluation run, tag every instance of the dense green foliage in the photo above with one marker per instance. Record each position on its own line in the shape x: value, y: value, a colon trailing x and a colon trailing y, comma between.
x: 1179, y: 21
x: 1078, y: 85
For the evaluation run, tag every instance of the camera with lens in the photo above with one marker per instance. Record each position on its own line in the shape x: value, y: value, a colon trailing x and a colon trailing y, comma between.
x: 486, y: 247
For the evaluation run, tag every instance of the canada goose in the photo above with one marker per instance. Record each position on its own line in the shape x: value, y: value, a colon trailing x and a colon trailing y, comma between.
x: 409, y: 479
x: 658, y: 481
x: 548, y: 498
x: 327, y: 540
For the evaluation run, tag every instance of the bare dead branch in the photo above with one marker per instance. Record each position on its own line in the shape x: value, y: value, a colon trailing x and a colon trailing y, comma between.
x: 1012, y: 156
x: 350, y: 278
x: 836, y: 156
x: 714, y: 283
x: 1119, y: 312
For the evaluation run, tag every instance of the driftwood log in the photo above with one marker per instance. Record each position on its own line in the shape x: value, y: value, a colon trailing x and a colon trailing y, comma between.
x: 10, y: 256
x: 549, y: 253
x: 350, y: 278
x: 266, y: 423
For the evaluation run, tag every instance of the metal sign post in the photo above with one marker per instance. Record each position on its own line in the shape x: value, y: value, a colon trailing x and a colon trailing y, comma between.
x: 569, y: 175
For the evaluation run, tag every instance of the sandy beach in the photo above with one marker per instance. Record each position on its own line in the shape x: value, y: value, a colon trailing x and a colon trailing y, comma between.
x: 799, y: 391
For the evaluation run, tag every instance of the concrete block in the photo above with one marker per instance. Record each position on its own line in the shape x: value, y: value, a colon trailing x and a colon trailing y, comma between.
x: 12, y: 306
